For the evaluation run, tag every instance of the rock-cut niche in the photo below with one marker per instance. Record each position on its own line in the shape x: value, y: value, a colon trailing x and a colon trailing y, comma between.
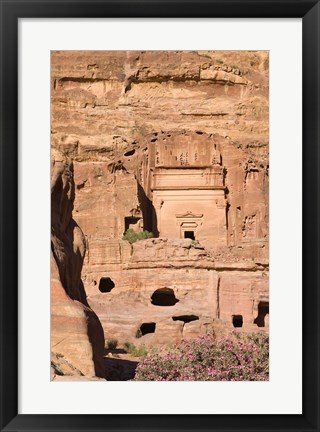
x: 263, y: 310
x: 146, y: 328
x: 237, y: 320
x: 106, y: 284
x: 185, y: 318
x: 164, y: 297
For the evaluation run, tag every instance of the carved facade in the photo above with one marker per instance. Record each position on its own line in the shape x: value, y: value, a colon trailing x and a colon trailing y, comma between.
x: 187, y: 190
x: 114, y: 114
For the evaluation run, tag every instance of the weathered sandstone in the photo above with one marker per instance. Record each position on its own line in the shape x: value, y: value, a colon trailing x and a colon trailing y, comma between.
x: 76, y: 333
x: 180, y: 288
x: 175, y: 143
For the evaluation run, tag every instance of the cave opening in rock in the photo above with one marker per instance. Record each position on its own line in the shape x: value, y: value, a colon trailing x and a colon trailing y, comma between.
x: 237, y: 320
x: 146, y: 328
x: 189, y: 234
x: 185, y: 318
x: 106, y: 284
x: 130, y: 153
x: 164, y: 297
x: 263, y: 310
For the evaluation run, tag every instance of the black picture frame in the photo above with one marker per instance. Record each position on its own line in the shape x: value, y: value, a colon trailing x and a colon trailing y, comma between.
x: 11, y: 11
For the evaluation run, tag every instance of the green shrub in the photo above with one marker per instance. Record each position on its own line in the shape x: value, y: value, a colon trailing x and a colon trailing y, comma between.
x: 140, y: 351
x: 131, y: 236
x: 112, y: 343
x: 128, y: 346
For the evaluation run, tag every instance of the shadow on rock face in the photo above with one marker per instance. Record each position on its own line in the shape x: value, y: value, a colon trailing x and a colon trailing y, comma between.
x: 120, y: 369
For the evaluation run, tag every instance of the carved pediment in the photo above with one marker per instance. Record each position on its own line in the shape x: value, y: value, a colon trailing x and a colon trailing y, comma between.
x: 190, y: 215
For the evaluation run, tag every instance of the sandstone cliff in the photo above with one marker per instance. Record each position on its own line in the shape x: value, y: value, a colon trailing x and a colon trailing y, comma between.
x: 76, y: 333
x: 110, y: 111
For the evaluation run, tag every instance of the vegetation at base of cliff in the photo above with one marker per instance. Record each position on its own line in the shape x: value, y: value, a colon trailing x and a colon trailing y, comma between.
x: 140, y: 351
x: 111, y: 344
x: 131, y: 236
x: 236, y: 358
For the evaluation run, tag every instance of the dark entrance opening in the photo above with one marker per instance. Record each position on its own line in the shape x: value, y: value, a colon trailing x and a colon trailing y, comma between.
x: 164, y: 297
x: 263, y: 310
x: 130, y: 220
x: 189, y: 234
x: 237, y: 320
x: 130, y: 152
x: 148, y: 212
x: 146, y: 328
x: 185, y: 318
x: 106, y: 284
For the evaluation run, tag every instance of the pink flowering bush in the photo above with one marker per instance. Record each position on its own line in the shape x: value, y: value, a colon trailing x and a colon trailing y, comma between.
x: 235, y: 358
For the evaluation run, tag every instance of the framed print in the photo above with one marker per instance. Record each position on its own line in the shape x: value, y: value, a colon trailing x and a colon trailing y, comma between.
x: 157, y: 127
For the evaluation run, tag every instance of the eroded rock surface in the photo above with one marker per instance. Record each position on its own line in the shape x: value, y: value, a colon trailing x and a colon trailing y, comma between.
x: 114, y: 114
x: 76, y: 332
x: 173, y: 289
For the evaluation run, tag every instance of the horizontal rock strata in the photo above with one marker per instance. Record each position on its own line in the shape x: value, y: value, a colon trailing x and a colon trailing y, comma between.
x: 122, y: 117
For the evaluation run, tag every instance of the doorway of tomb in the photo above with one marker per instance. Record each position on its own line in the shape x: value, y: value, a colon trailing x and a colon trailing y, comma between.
x: 188, y: 230
x: 189, y: 224
x: 189, y: 234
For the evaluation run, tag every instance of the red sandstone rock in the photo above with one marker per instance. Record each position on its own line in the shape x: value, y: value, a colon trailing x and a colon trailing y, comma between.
x: 76, y: 333
x: 123, y: 118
